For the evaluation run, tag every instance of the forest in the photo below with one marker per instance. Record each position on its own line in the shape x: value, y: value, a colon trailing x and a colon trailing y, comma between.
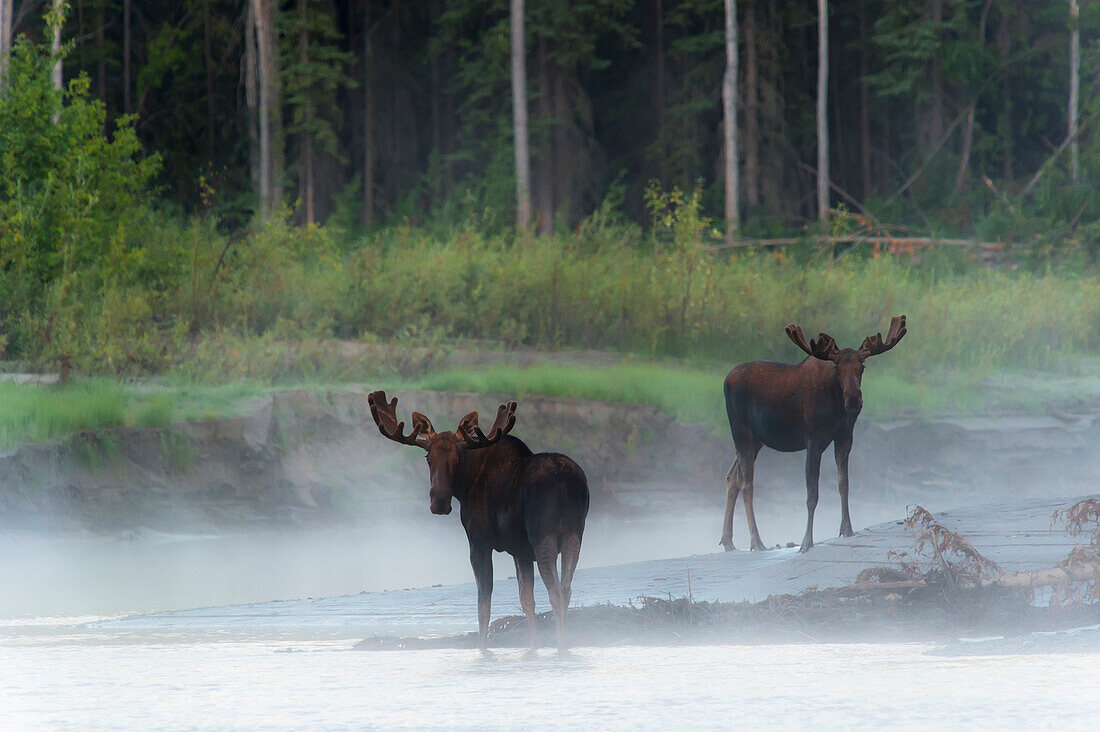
x: 544, y: 173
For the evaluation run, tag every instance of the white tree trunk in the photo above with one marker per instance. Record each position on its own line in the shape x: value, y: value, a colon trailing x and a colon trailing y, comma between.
x: 263, y: 54
x: 729, y: 103
x: 822, y: 109
x: 519, y: 117
x: 126, y: 57
x: 1074, y: 87
x: 55, y: 44
x: 252, y: 94
x: 6, y: 11
x: 368, y: 121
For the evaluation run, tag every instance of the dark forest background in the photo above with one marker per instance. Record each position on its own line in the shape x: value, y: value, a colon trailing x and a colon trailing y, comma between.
x: 939, y: 110
x: 204, y: 181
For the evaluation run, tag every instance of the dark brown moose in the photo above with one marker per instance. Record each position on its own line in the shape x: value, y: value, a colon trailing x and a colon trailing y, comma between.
x: 532, y: 506
x: 792, y: 407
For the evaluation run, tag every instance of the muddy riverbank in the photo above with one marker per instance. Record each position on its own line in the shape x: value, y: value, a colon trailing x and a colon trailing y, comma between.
x: 308, y: 459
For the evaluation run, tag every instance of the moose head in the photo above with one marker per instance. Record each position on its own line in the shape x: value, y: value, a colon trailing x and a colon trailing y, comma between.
x: 446, y: 450
x: 849, y: 361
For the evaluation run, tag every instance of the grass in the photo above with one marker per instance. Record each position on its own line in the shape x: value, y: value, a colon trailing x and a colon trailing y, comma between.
x: 690, y: 393
x: 34, y: 413
x: 695, y: 395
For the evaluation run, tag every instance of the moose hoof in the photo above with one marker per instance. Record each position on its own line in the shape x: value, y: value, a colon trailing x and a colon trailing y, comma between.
x: 728, y: 546
x: 805, y: 548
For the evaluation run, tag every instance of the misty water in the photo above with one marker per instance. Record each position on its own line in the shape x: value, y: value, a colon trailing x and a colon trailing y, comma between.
x: 79, y: 682
x: 83, y: 646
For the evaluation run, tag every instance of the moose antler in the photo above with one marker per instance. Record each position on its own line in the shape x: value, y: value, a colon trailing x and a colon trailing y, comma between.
x: 874, y: 345
x: 385, y: 416
x: 502, y: 425
x: 822, y: 348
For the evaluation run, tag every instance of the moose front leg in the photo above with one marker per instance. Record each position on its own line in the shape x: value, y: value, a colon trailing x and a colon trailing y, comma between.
x: 481, y: 559
x: 841, y: 451
x: 813, y: 472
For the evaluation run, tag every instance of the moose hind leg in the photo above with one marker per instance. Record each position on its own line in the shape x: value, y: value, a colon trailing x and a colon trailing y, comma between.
x: 525, y: 578
x: 733, y: 488
x: 570, y: 555
x: 547, y: 559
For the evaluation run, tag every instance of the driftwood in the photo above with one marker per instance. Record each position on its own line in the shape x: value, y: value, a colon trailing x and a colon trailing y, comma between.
x: 971, y: 570
x: 890, y: 241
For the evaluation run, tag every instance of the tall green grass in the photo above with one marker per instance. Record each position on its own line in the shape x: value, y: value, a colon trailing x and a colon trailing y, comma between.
x: 695, y: 395
x: 716, y: 307
x: 687, y: 394
x: 33, y: 413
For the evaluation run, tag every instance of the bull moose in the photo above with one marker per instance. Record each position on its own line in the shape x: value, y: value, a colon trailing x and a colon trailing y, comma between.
x: 793, y: 407
x: 532, y: 506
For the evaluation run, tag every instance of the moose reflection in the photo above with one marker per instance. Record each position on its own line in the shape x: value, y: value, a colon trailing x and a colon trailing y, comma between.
x: 532, y: 506
x: 792, y: 407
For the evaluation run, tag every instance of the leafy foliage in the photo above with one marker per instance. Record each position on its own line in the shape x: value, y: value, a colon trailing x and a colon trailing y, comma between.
x: 78, y: 279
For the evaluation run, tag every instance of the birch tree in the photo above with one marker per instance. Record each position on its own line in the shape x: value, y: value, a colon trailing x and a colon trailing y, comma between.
x: 368, y: 119
x: 729, y: 102
x: 57, y: 19
x: 265, y: 65
x: 822, y: 110
x: 270, y: 110
x: 1074, y: 87
x: 6, y: 12
x: 519, y: 118
x: 126, y: 42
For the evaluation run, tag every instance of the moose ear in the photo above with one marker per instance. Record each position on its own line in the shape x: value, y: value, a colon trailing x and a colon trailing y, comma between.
x: 423, y: 425
x: 468, y: 424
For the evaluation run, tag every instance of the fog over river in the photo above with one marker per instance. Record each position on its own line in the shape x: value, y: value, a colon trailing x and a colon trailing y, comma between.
x: 74, y: 658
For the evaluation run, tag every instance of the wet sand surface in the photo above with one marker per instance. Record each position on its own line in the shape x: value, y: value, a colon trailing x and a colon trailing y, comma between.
x: 1017, y: 536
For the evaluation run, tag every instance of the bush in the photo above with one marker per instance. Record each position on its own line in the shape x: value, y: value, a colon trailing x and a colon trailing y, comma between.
x: 77, y: 283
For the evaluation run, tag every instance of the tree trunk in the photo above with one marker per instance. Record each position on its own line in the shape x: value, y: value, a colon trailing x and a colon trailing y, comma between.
x: 368, y: 121
x: 1004, y: 45
x: 544, y: 164
x: 729, y: 104
x: 519, y: 117
x: 564, y: 153
x: 306, y: 164
x: 6, y: 13
x: 252, y: 96
x: 659, y: 96
x: 55, y: 45
x: 101, y: 52
x: 126, y: 108
x: 265, y: 69
x: 968, y: 133
x: 208, y: 60
x: 275, y: 108
x: 437, y: 121
x: 752, y: 109
x: 1074, y: 85
x: 935, y: 114
x: 822, y: 110
x: 397, y: 124
x: 864, y: 108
